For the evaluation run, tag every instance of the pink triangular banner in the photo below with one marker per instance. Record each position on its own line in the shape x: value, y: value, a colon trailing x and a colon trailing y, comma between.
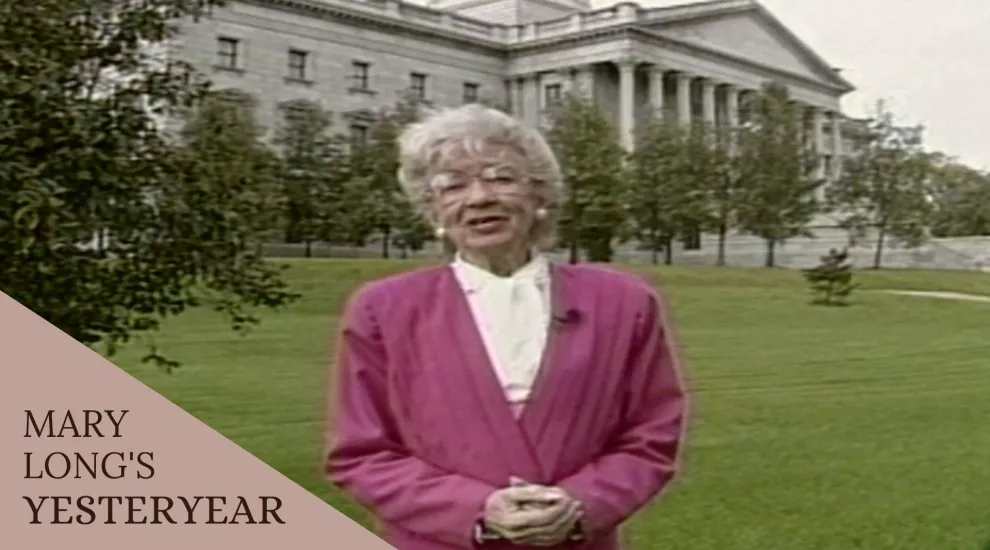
x: 44, y: 370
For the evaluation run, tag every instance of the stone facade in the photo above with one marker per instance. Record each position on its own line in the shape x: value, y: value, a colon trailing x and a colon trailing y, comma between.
x: 694, y: 60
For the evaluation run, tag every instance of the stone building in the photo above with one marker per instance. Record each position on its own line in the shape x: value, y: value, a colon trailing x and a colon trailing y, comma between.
x: 695, y: 60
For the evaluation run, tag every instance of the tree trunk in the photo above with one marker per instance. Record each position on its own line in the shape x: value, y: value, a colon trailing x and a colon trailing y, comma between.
x: 668, y: 251
x: 878, y: 253
x: 600, y: 250
x: 655, y: 251
x: 573, y: 252
x: 309, y: 249
x: 386, y: 241
x: 771, y: 259
x: 722, y: 231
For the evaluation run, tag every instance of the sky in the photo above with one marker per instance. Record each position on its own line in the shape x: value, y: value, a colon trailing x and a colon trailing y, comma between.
x: 930, y: 60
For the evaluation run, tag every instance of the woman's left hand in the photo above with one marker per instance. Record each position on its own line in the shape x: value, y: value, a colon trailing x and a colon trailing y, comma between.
x: 557, y: 520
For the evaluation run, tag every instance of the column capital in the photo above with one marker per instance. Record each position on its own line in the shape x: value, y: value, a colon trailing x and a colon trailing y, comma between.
x: 627, y: 62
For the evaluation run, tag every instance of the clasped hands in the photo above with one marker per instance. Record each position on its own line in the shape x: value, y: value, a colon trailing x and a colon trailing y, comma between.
x: 532, y: 515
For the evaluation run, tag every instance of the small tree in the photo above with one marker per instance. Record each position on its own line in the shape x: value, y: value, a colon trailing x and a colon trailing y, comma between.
x: 669, y: 175
x: 885, y: 185
x: 594, y: 213
x: 831, y: 281
x: 656, y: 173
x: 724, y: 186
x: 778, y: 196
x: 375, y: 197
x: 314, y: 171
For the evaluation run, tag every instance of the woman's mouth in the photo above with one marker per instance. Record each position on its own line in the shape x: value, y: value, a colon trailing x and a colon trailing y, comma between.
x: 486, y: 224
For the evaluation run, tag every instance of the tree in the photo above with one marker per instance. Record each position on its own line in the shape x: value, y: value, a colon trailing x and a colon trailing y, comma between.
x: 383, y: 207
x: 885, y: 184
x: 778, y: 197
x: 960, y: 201
x: 86, y: 153
x: 594, y: 212
x: 221, y: 149
x: 667, y: 174
x: 314, y: 173
x: 724, y: 185
x: 831, y: 281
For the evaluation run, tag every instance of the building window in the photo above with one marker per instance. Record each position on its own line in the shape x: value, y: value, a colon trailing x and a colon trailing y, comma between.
x: 359, y: 75
x: 470, y: 92
x: 692, y: 239
x: 417, y: 84
x: 551, y: 95
x: 227, y: 50
x: 297, y: 64
x: 697, y: 102
x: 359, y: 134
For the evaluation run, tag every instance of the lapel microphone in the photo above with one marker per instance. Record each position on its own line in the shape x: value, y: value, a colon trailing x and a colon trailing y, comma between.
x: 566, y: 317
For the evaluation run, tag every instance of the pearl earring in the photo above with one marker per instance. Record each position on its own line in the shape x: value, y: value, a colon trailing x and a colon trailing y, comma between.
x: 440, y: 232
x: 541, y: 213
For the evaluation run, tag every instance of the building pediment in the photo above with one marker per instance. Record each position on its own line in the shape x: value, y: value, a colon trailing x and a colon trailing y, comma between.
x: 747, y: 31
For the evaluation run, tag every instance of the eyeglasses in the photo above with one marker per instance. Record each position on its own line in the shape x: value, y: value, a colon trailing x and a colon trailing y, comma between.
x: 447, y: 184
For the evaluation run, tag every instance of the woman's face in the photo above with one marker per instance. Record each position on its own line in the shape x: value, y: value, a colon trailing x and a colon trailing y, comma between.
x: 483, y: 198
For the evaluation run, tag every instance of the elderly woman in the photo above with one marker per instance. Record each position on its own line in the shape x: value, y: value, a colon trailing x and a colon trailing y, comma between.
x: 501, y: 400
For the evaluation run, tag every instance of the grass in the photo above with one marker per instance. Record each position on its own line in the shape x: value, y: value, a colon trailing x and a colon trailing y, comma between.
x: 813, y: 428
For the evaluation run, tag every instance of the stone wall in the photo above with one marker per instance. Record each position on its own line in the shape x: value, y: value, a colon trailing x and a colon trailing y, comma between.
x: 968, y: 253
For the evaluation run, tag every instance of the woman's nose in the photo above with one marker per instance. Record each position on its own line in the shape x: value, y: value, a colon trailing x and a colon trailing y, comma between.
x: 478, y: 191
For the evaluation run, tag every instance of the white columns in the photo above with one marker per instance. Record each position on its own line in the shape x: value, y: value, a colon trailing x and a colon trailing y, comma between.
x: 818, y: 129
x: 818, y: 139
x: 836, y: 119
x: 684, y: 98
x: 732, y: 105
x: 534, y: 110
x: 627, y: 101
x: 708, y: 101
x: 817, y: 145
x: 518, y: 98
x: 656, y: 89
x: 583, y: 82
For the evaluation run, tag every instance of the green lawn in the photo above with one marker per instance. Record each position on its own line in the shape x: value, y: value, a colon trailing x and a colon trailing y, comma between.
x: 813, y: 428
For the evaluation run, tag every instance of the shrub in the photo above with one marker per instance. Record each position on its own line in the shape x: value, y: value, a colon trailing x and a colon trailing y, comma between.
x: 831, y: 281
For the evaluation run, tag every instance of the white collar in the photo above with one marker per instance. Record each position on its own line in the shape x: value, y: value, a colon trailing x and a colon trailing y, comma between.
x: 475, y: 278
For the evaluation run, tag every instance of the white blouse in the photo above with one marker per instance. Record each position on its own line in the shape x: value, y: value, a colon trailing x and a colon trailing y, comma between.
x: 513, y: 316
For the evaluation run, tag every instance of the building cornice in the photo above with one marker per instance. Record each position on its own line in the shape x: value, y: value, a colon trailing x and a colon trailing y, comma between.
x: 500, y: 46
x: 371, y: 20
x: 722, y: 9
x: 635, y: 32
x: 578, y: 38
x: 717, y: 55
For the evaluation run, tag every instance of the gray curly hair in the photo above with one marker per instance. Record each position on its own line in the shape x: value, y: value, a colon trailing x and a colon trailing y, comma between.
x: 422, y: 143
